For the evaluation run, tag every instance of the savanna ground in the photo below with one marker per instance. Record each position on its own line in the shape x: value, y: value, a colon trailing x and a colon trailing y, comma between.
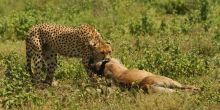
x: 175, y: 38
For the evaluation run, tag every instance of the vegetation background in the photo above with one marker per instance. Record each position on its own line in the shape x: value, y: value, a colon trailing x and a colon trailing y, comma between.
x: 175, y: 38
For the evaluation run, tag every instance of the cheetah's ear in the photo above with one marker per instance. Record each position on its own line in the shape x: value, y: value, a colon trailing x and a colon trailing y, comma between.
x: 108, y: 42
x: 92, y: 43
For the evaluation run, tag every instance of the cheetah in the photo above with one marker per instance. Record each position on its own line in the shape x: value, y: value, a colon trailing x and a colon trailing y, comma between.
x: 45, y: 41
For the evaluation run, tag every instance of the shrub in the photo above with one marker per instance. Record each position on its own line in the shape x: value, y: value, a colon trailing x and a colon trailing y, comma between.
x: 143, y: 26
x: 23, y: 21
x: 170, y: 61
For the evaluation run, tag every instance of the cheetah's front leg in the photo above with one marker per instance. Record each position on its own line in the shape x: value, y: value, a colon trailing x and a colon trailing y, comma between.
x: 90, y: 72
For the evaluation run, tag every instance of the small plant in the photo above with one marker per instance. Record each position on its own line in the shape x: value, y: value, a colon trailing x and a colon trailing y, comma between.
x: 176, y: 7
x: 66, y: 70
x: 204, y: 10
x: 3, y: 28
x: 17, y: 90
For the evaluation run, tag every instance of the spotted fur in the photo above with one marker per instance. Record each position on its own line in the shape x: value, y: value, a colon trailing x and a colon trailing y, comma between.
x: 45, y: 41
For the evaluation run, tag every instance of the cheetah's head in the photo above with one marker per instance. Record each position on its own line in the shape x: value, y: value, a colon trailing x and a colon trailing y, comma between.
x: 101, y: 50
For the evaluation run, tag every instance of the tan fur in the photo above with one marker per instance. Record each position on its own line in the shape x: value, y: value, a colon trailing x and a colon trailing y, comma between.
x: 146, y: 80
x: 45, y: 41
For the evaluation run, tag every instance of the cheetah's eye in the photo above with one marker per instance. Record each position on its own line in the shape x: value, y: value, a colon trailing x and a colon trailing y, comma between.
x: 102, y: 52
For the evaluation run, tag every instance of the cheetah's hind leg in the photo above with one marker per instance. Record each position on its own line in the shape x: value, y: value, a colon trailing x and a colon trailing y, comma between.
x: 29, y: 55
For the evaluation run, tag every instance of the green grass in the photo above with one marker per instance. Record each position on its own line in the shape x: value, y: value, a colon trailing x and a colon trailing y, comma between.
x: 175, y: 38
